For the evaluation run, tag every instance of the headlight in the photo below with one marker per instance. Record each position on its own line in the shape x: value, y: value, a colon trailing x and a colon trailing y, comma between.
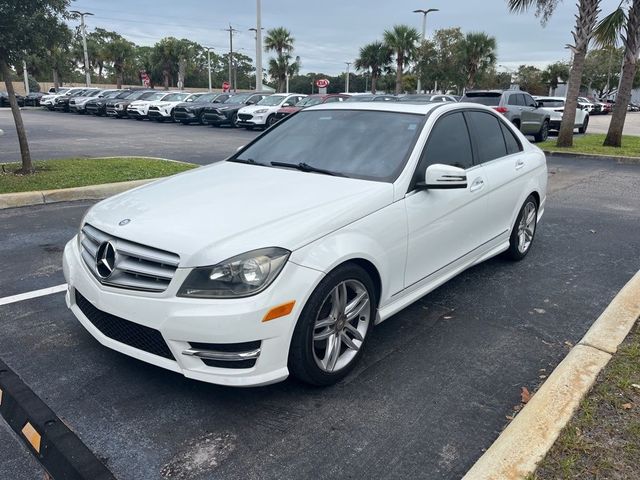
x: 119, y: 106
x: 240, y: 276
x: 262, y: 110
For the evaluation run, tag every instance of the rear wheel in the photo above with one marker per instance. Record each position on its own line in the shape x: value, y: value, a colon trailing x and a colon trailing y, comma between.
x: 332, y: 329
x: 543, y: 134
x: 524, y: 230
x: 585, y: 124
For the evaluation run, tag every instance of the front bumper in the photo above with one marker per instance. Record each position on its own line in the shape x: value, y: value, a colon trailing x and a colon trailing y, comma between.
x: 183, y: 322
x: 244, y: 120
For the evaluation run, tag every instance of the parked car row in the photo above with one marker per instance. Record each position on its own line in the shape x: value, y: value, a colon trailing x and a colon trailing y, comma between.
x: 31, y: 100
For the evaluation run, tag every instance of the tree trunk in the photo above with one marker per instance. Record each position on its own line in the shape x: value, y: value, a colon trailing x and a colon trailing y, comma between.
x: 585, y: 22
x: 623, y: 97
x: 27, y: 166
x: 56, y: 79
x: 119, y: 76
x: 100, y: 67
x: 399, y: 65
x: 165, y: 74
x: 374, y: 80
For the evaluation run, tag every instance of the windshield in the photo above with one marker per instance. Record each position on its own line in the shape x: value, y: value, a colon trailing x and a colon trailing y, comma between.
x: 240, y: 98
x: 272, y: 101
x: 490, y: 99
x: 175, y: 97
x: 137, y: 95
x: 207, y: 97
x: 416, y: 98
x: 113, y: 94
x: 94, y: 93
x: 360, y: 98
x: 154, y: 96
x: 308, y: 101
x: 364, y: 144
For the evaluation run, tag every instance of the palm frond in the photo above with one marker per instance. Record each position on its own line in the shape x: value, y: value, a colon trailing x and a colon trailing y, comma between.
x: 608, y: 30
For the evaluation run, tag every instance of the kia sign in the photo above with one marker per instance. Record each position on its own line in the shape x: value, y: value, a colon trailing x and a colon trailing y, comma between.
x: 225, y: 86
x: 322, y: 83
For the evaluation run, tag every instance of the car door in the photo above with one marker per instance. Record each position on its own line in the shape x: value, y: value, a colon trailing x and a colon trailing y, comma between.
x: 531, y: 116
x: 444, y: 225
x: 499, y: 151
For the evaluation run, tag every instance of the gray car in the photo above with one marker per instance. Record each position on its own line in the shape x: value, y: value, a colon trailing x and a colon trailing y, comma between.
x: 518, y: 106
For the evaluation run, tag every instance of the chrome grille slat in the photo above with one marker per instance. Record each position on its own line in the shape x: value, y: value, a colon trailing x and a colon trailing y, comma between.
x: 137, y: 267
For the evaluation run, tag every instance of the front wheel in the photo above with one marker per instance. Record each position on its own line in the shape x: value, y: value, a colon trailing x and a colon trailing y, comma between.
x: 272, y: 120
x: 543, y: 134
x: 524, y: 230
x: 332, y: 329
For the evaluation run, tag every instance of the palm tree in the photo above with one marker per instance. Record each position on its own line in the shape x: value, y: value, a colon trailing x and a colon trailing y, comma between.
x: 279, y: 40
x: 582, y: 33
x: 120, y: 52
x: 403, y: 40
x: 478, y: 54
x: 374, y: 56
x: 607, y: 33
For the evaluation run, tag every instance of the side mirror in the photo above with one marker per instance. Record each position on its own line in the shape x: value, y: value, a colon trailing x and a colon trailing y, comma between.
x: 250, y: 102
x: 442, y: 177
x: 287, y: 104
x: 539, y: 104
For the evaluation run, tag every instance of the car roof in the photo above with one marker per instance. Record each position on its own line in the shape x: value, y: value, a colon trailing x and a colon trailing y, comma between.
x: 400, y: 107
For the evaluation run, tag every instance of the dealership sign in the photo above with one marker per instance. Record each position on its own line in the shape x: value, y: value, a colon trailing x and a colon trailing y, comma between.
x: 322, y: 83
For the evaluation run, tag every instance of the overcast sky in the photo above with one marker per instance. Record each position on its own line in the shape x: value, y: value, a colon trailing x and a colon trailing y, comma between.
x: 330, y: 32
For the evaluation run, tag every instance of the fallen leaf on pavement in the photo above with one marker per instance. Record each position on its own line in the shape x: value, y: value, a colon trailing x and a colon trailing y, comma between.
x: 568, y: 344
x: 525, y: 395
x: 635, y: 385
x: 542, y: 376
x: 627, y: 406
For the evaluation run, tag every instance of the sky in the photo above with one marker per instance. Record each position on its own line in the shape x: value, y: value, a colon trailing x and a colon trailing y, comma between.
x: 329, y: 33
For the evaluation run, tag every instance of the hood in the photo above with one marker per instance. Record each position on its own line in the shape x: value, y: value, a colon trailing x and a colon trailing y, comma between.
x: 212, y: 213
x: 162, y: 103
x: 140, y: 103
x: 253, y: 108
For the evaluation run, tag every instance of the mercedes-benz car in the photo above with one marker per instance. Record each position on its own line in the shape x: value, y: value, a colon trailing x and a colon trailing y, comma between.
x: 281, y: 259
x: 227, y: 114
x: 263, y: 113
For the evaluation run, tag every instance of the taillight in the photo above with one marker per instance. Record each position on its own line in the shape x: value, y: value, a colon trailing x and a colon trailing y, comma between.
x: 501, y: 109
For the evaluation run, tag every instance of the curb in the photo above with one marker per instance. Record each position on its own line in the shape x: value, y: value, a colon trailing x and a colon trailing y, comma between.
x: 90, y: 192
x: 527, y: 439
x: 55, y: 446
x: 619, y: 159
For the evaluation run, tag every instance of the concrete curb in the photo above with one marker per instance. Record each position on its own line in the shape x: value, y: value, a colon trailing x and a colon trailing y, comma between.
x: 91, y: 192
x: 528, y: 438
x: 619, y: 159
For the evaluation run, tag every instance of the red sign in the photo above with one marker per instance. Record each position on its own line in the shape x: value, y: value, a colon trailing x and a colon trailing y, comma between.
x: 322, y: 83
x: 225, y: 86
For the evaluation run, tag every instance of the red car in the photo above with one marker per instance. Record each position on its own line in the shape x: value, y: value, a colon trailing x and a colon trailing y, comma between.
x: 316, y: 99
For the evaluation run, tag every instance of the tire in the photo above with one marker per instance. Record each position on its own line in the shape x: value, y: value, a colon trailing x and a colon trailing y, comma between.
x: 234, y: 120
x: 310, y: 360
x: 585, y: 125
x: 520, y: 241
x: 201, y: 119
x: 271, y: 120
x: 543, y: 134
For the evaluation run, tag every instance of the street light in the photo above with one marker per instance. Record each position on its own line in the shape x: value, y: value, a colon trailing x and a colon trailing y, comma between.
x: 84, y: 44
x: 209, y: 64
x: 346, y: 83
x: 258, y: 46
x: 424, y: 32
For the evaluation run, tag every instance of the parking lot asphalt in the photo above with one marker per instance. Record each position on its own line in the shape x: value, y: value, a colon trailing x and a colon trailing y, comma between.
x: 62, y: 135
x: 432, y: 391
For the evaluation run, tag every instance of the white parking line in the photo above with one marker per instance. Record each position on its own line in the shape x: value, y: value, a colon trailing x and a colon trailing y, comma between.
x: 34, y: 294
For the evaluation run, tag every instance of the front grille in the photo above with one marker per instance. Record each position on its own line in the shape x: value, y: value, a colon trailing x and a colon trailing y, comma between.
x: 245, y: 116
x: 124, y: 331
x: 135, y: 266
x: 229, y: 348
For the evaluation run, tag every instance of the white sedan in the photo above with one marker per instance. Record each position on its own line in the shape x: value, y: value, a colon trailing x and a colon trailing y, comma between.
x: 281, y: 259
x: 263, y: 113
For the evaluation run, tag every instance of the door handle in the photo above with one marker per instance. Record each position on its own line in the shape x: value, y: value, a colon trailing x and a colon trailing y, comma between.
x: 478, y: 184
x: 519, y: 164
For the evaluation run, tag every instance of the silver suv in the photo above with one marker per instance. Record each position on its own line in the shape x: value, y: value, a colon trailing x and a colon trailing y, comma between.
x: 518, y: 106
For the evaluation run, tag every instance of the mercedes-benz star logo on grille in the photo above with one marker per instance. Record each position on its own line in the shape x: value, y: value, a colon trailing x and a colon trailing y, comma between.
x: 124, y: 222
x: 105, y: 260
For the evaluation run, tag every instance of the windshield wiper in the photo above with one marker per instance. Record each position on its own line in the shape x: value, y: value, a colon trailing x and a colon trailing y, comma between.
x: 305, y: 167
x: 249, y: 161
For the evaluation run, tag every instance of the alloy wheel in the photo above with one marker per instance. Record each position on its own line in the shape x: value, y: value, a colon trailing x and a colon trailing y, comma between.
x: 527, y: 226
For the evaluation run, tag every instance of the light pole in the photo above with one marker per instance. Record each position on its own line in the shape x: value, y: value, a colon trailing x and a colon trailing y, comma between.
x: 424, y: 32
x: 258, y: 46
x: 26, y: 77
x: 84, y: 44
x: 209, y: 65
x: 511, y: 73
x: 346, y: 82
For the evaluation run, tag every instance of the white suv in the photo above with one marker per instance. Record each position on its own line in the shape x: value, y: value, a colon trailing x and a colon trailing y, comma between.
x: 263, y: 113
x: 139, y: 109
x: 162, y: 110
x: 49, y: 101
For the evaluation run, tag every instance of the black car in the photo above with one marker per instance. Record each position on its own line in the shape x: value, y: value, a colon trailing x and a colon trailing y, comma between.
x: 61, y: 103
x: 33, y: 99
x: 98, y: 106
x: 117, y: 107
x: 4, y: 100
x: 227, y: 113
x: 191, y: 110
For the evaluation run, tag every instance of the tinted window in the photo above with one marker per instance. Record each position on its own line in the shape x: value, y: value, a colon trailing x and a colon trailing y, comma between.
x: 551, y: 103
x: 332, y: 100
x: 529, y: 101
x: 513, y: 145
x: 357, y: 143
x: 491, y: 99
x: 448, y: 144
x: 487, y: 133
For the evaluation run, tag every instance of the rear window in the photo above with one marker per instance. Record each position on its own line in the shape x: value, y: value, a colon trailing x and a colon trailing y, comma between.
x: 490, y: 99
x: 551, y: 103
